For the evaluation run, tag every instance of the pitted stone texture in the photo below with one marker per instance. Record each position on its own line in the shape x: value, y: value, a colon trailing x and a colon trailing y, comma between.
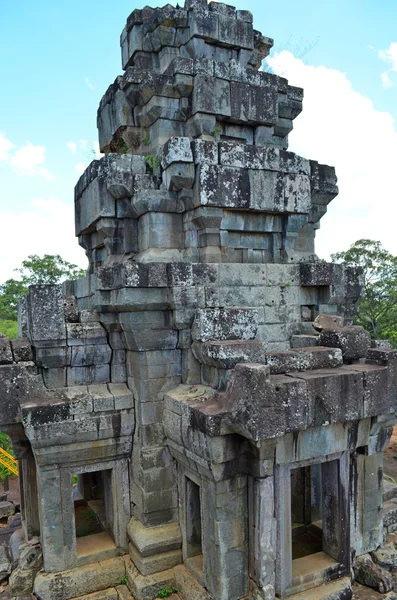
x: 354, y: 341
x: 22, y: 350
x: 225, y: 324
x: 6, y: 356
x: 227, y: 354
x: 46, y: 314
x: 305, y: 359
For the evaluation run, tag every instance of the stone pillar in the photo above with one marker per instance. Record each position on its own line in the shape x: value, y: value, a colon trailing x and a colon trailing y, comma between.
x: 262, y: 531
x: 29, y: 496
x: 284, y: 528
x: 366, y: 502
x: 27, y: 481
x: 150, y: 374
x: 57, y: 523
x: 336, y: 538
x: 225, y: 538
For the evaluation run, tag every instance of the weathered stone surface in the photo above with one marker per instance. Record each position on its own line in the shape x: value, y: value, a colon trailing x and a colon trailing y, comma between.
x: 22, y: 350
x: 188, y: 586
x: 6, y: 356
x: 327, y: 322
x: 304, y: 359
x: 80, y: 581
x: 182, y: 379
x: 109, y: 594
x: 354, y: 341
x: 21, y: 582
x: 372, y: 575
x: 227, y: 354
x: 226, y: 324
x: 386, y: 557
x: 154, y: 540
x: 5, y: 564
x: 6, y: 509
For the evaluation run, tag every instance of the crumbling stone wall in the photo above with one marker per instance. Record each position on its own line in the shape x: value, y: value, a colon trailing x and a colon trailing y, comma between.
x: 208, y: 353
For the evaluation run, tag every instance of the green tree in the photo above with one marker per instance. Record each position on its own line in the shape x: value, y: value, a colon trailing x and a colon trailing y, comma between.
x: 49, y: 269
x: 11, y: 292
x: 377, y: 309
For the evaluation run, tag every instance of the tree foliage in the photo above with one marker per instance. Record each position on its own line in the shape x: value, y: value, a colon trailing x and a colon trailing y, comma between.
x: 377, y: 309
x: 49, y: 269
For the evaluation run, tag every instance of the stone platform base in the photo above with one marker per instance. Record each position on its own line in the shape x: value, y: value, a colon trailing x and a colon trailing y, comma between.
x: 82, y: 582
x: 337, y: 590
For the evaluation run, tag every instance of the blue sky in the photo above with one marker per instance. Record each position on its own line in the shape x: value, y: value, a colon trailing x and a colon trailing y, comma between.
x: 58, y: 59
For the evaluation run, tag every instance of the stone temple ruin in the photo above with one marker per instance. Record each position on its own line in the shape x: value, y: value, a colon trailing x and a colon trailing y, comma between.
x: 179, y: 423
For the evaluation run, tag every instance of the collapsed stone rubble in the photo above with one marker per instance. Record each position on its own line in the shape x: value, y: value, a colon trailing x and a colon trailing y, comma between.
x: 199, y: 414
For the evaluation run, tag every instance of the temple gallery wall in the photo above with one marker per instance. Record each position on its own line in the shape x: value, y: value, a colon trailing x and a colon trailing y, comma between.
x: 198, y: 414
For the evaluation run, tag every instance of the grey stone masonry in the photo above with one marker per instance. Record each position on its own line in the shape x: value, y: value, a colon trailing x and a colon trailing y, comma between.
x: 202, y: 395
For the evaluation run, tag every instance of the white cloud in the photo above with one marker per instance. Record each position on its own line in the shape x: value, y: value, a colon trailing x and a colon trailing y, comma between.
x: 28, y: 160
x: 341, y: 127
x: 386, y: 80
x: 46, y: 228
x: 89, y: 84
x: 390, y: 55
x: 72, y: 146
x: 81, y: 167
x: 5, y: 147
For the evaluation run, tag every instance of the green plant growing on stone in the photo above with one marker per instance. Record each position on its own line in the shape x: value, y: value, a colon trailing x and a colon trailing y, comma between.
x: 123, y: 580
x: 145, y: 140
x: 153, y: 161
x: 119, y: 146
x: 166, y: 592
x: 216, y: 133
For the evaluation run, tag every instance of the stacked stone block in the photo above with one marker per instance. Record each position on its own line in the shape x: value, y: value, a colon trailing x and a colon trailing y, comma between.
x: 207, y: 353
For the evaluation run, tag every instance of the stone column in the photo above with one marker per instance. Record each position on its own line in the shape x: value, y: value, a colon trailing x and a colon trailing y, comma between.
x: 284, y: 528
x: 335, y: 481
x: 57, y: 522
x: 29, y: 495
x: 366, y: 502
x: 225, y: 538
x: 262, y: 531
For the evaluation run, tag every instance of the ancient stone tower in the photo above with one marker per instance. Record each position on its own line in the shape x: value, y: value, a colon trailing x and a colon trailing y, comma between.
x: 178, y: 394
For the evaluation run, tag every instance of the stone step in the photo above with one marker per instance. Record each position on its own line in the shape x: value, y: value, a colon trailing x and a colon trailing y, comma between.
x: 336, y: 590
x: 188, y: 586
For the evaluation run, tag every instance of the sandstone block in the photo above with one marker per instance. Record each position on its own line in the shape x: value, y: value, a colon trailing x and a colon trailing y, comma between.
x: 81, y: 581
x: 354, y: 341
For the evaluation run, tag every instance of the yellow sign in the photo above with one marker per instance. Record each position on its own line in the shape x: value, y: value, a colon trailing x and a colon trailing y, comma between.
x: 8, y: 461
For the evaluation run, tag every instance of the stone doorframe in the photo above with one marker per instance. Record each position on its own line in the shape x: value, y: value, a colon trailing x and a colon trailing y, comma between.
x: 335, y: 523
x: 57, y: 512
